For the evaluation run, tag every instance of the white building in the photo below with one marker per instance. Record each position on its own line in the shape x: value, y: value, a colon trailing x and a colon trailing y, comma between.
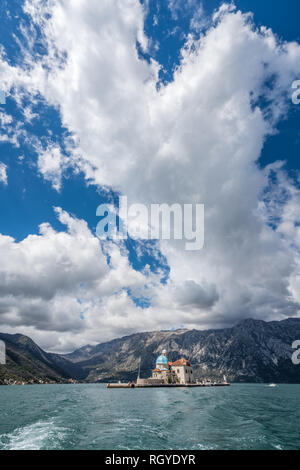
x: 183, y: 370
x: 165, y: 372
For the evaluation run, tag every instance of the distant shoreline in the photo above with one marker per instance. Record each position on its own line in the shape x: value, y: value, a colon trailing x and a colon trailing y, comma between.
x: 182, y: 386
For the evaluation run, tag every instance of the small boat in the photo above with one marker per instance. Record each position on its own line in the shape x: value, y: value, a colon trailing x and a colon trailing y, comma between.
x: 272, y: 385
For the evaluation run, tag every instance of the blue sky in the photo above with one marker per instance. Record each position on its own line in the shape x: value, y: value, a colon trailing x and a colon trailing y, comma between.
x: 30, y: 194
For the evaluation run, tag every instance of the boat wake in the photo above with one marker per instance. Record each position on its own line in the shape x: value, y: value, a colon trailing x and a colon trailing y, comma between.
x: 37, y: 436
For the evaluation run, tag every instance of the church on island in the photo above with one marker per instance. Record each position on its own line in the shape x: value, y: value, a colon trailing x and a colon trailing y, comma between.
x: 169, y: 374
x: 166, y: 372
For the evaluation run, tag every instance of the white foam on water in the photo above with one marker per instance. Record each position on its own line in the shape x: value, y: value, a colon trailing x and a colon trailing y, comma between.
x: 205, y: 447
x: 36, y: 436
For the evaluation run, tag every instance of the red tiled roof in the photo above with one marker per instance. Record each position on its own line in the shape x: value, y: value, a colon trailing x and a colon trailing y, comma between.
x: 181, y: 362
x: 156, y: 370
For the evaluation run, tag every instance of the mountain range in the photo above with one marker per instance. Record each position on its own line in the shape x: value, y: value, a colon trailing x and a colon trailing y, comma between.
x: 251, y: 351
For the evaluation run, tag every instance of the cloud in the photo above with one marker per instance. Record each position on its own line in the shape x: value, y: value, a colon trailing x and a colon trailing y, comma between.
x: 3, y: 173
x: 195, y: 140
x: 181, y: 7
x: 11, y: 131
x: 41, y: 265
x: 192, y: 9
x: 191, y: 294
x: 62, y: 282
x: 51, y: 164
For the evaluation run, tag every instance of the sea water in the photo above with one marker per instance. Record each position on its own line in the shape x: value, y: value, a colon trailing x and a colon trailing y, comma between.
x: 246, y: 416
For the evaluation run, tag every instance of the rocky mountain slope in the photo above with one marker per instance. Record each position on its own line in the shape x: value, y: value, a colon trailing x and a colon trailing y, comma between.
x: 28, y: 363
x: 251, y: 351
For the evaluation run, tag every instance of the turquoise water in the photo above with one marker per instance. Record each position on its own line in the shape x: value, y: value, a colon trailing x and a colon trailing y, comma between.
x: 93, y: 417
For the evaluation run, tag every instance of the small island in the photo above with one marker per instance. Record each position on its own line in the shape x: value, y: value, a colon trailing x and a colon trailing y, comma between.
x: 169, y: 374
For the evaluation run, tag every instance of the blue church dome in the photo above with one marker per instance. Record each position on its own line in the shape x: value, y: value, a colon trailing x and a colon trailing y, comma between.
x: 162, y: 361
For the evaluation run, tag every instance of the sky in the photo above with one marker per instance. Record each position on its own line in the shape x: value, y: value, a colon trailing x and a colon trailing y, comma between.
x: 164, y: 102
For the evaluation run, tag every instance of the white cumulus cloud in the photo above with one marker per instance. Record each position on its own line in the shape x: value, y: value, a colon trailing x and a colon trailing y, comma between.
x: 3, y: 173
x: 195, y: 140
